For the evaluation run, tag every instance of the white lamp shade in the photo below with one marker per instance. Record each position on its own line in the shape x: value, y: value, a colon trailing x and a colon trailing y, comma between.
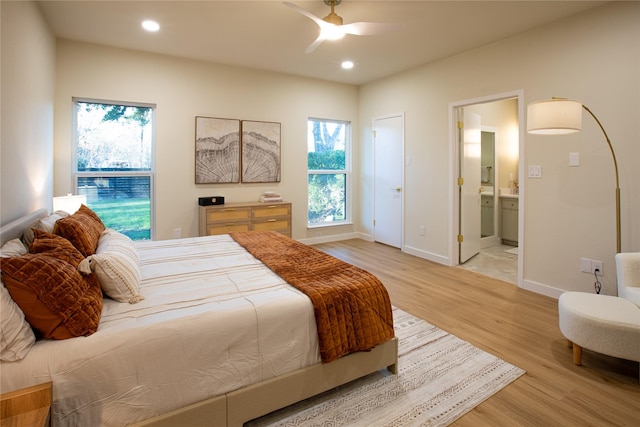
x: 69, y: 203
x: 554, y: 116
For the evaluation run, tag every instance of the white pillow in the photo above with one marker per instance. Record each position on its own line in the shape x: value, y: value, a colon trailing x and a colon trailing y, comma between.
x: 45, y: 224
x: 16, y: 336
x: 13, y: 248
x: 116, y: 265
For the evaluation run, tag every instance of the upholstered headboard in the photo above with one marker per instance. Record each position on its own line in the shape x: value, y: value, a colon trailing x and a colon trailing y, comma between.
x: 15, y: 228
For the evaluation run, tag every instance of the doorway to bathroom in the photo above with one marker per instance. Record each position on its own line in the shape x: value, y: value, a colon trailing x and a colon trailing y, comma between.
x: 490, y: 202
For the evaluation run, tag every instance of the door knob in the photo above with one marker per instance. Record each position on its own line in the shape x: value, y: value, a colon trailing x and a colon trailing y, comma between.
x: 398, y: 189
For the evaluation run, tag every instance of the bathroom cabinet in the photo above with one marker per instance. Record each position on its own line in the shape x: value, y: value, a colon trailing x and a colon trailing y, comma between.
x: 486, y: 214
x: 509, y: 220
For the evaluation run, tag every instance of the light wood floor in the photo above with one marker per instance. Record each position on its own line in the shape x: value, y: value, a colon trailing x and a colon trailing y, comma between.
x: 516, y: 325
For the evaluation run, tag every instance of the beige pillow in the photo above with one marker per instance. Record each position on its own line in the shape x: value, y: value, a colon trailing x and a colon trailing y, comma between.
x: 13, y: 248
x: 44, y: 224
x: 116, y: 265
x: 16, y: 336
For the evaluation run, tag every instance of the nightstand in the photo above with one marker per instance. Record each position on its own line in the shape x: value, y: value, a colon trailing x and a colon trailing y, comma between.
x: 30, y: 406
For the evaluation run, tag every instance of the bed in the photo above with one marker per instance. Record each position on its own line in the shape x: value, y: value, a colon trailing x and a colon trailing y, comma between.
x: 213, y: 337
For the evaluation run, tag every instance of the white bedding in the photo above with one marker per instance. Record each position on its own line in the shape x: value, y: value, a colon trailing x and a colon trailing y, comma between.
x: 214, y: 319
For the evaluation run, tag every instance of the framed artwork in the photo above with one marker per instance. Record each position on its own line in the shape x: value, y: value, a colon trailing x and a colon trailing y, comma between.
x: 217, y: 150
x: 260, y: 151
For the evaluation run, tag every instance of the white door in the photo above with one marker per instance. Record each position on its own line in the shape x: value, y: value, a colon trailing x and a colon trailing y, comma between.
x: 388, y: 180
x: 470, y: 198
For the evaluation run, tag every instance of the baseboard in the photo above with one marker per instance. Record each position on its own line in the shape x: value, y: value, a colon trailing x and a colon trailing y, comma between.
x: 542, y: 289
x: 426, y: 255
x: 488, y: 242
x: 331, y: 238
x: 529, y: 285
x: 369, y: 238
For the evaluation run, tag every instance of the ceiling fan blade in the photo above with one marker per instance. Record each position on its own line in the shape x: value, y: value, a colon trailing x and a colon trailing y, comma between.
x: 333, y: 29
x: 315, y: 44
x: 370, y: 28
x: 306, y: 13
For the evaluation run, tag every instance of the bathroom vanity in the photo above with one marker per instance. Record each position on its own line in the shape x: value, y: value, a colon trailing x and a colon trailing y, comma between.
x: 509, y: 219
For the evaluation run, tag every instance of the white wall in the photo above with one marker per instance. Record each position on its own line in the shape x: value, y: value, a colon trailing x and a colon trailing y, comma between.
x: 183, y: 89
x: 569, y: 213
x: 28, y: 70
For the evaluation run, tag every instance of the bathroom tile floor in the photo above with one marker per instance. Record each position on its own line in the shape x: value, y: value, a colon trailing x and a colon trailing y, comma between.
x: 495, y: 262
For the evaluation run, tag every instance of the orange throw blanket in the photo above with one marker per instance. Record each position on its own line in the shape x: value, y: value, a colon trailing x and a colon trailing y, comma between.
x: 352, y: 307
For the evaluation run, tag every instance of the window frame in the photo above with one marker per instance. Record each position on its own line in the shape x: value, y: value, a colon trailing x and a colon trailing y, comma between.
x: 346, y: 172
x: 76, y: 174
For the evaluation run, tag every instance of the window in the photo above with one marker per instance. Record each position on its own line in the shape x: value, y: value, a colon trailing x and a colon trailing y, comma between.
x: 328, y: 145
x: 114, y: 163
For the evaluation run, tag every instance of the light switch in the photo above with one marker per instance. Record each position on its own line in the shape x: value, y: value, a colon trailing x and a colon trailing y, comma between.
x: 535, y: 171
x: 574, y: 159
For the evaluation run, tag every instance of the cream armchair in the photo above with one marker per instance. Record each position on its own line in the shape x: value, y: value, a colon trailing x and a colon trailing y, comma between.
x: 628, y: 273
x: 604, y: 323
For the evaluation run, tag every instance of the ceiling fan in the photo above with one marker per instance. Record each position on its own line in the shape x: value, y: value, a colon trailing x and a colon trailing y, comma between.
x: 332, y: 27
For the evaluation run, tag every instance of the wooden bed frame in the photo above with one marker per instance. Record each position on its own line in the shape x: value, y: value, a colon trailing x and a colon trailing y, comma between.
x: 237, y: 407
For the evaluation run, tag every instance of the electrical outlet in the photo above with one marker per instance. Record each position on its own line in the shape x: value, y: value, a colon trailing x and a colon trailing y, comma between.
x: 590, y: 265
x: 177, y: 233
x: 421, y: 230
x: 596, y: 265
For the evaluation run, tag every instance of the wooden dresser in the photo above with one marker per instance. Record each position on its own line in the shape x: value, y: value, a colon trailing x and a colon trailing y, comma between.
x: 222, y: 219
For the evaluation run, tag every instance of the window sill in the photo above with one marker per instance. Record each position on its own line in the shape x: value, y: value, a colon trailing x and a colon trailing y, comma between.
x: 327, y: 225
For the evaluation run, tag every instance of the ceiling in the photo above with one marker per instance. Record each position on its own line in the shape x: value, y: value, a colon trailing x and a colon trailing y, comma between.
x: 268, y: 35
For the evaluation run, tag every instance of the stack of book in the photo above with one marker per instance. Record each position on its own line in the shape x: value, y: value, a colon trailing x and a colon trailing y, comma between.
x: 270, y: 197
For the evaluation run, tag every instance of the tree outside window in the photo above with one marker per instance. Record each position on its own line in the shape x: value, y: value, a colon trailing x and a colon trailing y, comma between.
x: 328, y: 175
x: 114, y: 164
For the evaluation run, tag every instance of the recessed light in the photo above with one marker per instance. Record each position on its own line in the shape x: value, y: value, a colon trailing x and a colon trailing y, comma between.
x: 151, y: 26
x: 347, y: 65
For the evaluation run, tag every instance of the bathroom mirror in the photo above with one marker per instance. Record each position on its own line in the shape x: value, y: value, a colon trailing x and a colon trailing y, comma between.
x: 487, y: 158
x: 487, y: 178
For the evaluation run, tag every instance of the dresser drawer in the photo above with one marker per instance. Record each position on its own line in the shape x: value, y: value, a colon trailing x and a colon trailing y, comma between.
x: 228, y: 215
x: 224, y: 228
x: 509, y: 204
x: 271, y: 211
x: 281, y: 225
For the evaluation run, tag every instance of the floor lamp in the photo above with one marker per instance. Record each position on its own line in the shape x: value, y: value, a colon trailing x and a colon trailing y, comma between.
x: 562, y: 116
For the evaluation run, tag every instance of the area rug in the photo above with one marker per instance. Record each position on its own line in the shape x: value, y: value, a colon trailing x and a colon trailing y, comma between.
x: 440, y: 378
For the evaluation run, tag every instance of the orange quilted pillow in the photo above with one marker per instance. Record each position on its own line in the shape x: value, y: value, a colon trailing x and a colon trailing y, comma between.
x: 55, y: 298
x: 55, y: 246
x: 82, y: 229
